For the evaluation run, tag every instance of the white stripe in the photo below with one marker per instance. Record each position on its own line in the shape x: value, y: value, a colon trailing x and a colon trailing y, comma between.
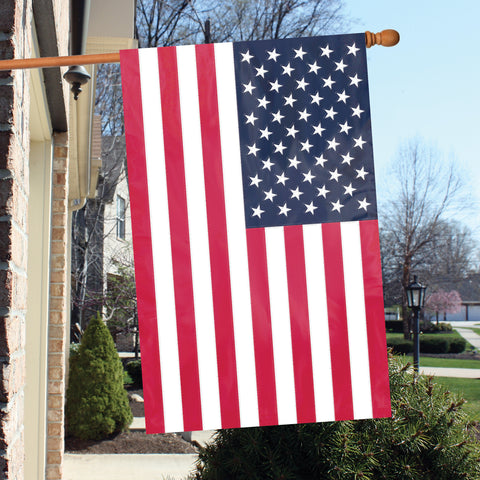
x: 159, y: 220
x: 199, y: 244
x: 281, y: 330
x: 236, y: 233
x: 318, y: 317
x: 356, y: 320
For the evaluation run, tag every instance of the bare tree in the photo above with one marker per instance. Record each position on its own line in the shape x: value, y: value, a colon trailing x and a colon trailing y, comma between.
x: 412, y: 220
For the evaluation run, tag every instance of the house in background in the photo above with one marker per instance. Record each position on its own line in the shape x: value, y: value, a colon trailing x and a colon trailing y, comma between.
x: 46, y: 173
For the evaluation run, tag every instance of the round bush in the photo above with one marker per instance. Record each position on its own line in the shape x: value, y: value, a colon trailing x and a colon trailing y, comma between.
x: 97, y: 404
x: 400, y: 345
x: 434, y: 345
x: 429, y: 437
x: 457, y: 345
x: 134, y: 369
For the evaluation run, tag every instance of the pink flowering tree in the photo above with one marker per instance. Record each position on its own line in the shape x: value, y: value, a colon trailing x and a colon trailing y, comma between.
x: 443, y: 302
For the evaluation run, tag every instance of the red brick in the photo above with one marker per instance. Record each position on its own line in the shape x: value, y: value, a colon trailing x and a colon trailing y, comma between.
x: 12, y: 335
x: 6, y: 103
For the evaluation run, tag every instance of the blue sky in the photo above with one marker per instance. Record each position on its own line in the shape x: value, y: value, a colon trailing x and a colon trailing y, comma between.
x: 426, y: 86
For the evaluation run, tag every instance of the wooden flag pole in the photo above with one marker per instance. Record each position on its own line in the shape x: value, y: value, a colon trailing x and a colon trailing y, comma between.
x: 387, y: 38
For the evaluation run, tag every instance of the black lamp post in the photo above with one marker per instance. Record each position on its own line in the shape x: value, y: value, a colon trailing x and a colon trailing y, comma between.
x: 415, y: 299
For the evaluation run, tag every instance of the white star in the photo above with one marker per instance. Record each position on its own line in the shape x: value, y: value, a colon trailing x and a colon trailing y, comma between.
x: 265, y: 133
x: 273, y: 55
x: 279, y: 147
x: 302, y: 84
x: 277, y: 117
x: 318, y: 129
x: 262, y: 102
x: 310, y: 208
x: 267, y: 164
x: 357, y: 111
x: 255, y: 180
x: 299, y: 53
x: 269, y: 195
x: 322, y: 192
x: 290, y: 100
x: 326, y: 51
x: 257, y: 212
x: 292, y: 131
x: 316, y: 98
x: 314, y: 67
x: 361, y: 173
x: 304, y: 115
x: 347, y: 158
x: 328, y: 82
x: 352, y: 49
x: 253, y: 150
x: 293, y: 162
x: 306, y: 146
x: 342, y: 97
x: 330, y: 113
x: 344, y: 127
x: 282, y: 178
x: 355, y: 80
x: 349, y: 190
x: 275, y: 85
x: 321, y: 160
x: 287, y: 70
x: 335, y: 175
x: 308, y: 177
x: 363, y: 204
x: 336, y: 206
x: 284, y: 210
x: 248, y: 87
x: 246, y: 56
x: 332, y: 144
x: 359, y: 142
x: 296, y: 193
x: 251, y: 119
x: 261, y: 72
x: 340, y: 65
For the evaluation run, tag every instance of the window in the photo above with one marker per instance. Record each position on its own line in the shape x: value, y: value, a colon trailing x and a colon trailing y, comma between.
x: 120, y: 217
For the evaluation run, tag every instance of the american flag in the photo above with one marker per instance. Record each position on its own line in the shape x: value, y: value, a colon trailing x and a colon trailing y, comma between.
x: 255, y: 233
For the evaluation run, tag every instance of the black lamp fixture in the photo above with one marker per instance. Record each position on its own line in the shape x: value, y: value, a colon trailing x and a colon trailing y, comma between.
x: 416, y: 299
x: 76, y: 76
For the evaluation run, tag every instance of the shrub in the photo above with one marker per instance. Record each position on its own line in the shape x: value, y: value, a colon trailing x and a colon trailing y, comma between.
x: 97, y: 404
x: 428, y: 437
x: 134, y: 369
x: 433, y: 345
x: 457, y: 345
x: 395, y: 326
x: 442, y: 327
x: 400, y: 345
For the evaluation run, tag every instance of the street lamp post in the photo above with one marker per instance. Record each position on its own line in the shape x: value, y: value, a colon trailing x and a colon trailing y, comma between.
x: 416, y: 299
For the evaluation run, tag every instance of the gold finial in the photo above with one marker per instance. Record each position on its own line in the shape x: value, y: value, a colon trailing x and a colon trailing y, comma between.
x: 387, y: 38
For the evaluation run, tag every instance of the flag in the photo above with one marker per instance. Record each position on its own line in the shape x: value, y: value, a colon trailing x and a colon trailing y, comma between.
x: 255, y: 233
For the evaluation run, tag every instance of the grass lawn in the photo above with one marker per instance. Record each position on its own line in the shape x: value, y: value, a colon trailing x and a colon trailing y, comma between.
x: 445, y: 362
x: 467, y: 388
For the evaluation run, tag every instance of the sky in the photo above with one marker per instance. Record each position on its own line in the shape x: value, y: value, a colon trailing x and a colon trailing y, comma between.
x: 427, y: 86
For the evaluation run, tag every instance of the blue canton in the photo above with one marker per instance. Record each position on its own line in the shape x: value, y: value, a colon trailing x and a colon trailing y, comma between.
x: 305, y: 130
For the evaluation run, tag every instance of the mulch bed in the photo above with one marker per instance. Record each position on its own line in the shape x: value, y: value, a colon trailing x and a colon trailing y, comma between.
x: 132, y: 442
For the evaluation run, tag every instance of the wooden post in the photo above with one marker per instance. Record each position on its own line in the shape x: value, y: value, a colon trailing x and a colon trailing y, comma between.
x: 387, y: 38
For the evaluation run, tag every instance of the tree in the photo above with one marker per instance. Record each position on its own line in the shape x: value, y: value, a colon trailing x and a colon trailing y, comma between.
x: 97, y: 404
x: 424, y: 189
x: 429, y: 436
x: 442, y: 301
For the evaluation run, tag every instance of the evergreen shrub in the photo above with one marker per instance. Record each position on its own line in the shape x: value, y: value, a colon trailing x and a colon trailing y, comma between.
x: 134, y: 369
x: 97, y: 404
x: 429, y: 437
x: 433, y: 345
x: 400, y: 345
x: 457, y: 345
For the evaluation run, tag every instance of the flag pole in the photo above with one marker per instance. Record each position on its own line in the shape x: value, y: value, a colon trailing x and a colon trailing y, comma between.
x: 386, y: 38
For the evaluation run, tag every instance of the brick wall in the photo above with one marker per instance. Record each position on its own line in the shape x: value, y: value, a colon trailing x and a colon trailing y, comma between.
x: 57, y: 329
x: 14, y: 144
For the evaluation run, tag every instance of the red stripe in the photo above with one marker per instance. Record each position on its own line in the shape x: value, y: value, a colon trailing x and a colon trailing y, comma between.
x: 374, y: 310
x: 337, y: 321
x: 300, y: 326
x: 217, y: 236
x: 181, y: 261
x: 142, y: 245
x: 262, y: 327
